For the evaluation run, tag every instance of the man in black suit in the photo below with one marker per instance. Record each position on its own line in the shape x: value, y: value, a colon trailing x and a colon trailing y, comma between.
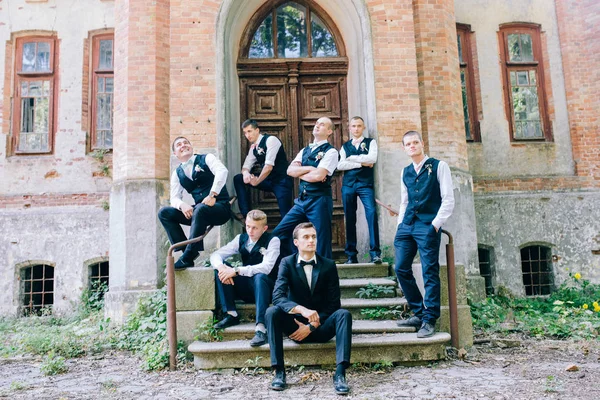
x: 307, y: 307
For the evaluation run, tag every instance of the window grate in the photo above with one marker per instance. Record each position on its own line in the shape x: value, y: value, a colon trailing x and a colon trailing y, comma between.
x: 37, y: 288
x: 99, y: 277
x: 536, y: 265
x: 486, y: 269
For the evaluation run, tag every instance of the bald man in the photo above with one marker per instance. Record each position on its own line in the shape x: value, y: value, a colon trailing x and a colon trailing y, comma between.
x: 314, y: 165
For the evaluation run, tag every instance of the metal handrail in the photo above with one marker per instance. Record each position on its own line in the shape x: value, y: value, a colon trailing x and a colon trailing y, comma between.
x: 452, y: 299
x: 171, y: 303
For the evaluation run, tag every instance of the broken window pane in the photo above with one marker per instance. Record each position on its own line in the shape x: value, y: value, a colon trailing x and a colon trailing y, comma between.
x: 525, y: 102
x: 520, y: 47
x: 262, y: 42
x: 323, y: 44
x: 106, y: 54
x: 35, y: 116
x: 463, y: 81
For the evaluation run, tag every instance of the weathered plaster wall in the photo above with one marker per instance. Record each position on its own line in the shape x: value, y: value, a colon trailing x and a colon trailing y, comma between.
x: 72, y: 22
x: 496, y: 156
x: 568, y: 222
x: 64, y: 236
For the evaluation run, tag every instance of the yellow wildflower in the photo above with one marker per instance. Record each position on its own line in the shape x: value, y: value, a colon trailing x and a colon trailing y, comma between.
x: 577, y: 276
x: 585, y: 307
x: 595, y: 304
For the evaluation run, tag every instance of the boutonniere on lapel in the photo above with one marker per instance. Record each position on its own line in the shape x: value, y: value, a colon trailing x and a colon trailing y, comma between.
x: 363, y: 146
x: 428, y: 167
x: 197, y: 168
x: 320, y: 155
x: 262, y: 251
x: 260, y: 151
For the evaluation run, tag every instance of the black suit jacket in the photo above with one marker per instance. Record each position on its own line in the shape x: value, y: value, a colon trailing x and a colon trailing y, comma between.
x: 291, y: 287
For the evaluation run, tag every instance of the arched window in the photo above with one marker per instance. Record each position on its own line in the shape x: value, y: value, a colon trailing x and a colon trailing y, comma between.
x: 536, y: 265
x: 292, y: 30
x: 37, y: 288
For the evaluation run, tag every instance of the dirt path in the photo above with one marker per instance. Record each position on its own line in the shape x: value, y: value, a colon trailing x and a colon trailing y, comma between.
x: 536, y: 370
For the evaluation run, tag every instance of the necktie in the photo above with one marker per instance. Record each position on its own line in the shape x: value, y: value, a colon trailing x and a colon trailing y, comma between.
x: 250, y: 245
x: 188, y: 163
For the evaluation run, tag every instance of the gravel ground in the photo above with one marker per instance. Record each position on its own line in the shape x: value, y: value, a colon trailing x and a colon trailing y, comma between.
x: 533, y: 370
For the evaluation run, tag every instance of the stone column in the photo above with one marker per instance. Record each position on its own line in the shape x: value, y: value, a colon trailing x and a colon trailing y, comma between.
x: 141, y: 152
x: 442, y: 116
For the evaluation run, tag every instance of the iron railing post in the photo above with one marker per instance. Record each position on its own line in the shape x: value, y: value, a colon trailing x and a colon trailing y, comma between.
x: 452, y: 300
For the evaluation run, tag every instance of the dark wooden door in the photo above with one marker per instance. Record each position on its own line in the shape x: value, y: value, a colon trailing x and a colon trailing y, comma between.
x: 286, y: 98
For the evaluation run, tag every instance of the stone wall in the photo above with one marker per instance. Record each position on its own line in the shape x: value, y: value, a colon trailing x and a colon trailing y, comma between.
x: 567, y: 222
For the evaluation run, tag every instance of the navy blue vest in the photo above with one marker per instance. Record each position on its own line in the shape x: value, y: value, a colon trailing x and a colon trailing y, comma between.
x: 312, y: 159
x: 363, y: 175
x: 254, y: 256
x: 202, y: 180
x: 279, y: 171
x: 424, y: 196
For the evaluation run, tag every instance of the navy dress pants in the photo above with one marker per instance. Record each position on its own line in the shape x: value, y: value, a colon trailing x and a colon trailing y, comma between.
x: 338, y: 324
x: 318, y: 211
x: 283, y: 191
x: 423, y: 237
x: 171, y: 219
x: 367, y: 197
x: 251, y: 289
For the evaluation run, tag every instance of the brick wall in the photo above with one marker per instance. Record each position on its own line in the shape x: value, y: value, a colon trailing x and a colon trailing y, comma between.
x: 396, y: 84
x: 54, y: 200
x: 141, y: 112
x: 193, y: 75
x: 579, y: 30
x: 439, y: 81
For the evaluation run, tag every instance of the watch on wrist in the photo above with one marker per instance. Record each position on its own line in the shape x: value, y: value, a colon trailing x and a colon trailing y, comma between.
x: 311, y: 327
x: 236, y: 270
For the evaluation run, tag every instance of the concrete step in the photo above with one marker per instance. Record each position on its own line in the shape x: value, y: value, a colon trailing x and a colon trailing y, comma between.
x: 363, y: 270
x: 355, y: 306
x: 350, y: 287
x: 246, y: 331
x: 402, y: 348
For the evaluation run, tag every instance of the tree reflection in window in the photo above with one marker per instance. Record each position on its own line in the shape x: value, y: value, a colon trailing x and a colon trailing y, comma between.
x: 292, y: 35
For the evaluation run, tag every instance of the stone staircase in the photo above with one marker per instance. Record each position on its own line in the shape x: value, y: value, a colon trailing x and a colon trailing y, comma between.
x: 373, y: 340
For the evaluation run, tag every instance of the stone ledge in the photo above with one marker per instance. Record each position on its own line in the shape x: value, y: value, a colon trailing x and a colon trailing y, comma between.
x: 399, y: 348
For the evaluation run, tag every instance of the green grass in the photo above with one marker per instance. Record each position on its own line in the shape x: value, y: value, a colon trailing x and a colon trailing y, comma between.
x: 571, y: 311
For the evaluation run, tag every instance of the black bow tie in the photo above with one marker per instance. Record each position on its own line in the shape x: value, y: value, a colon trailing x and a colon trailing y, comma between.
x: 303, y: 263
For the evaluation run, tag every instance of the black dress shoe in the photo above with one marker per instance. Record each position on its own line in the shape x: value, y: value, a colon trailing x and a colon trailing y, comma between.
x: 376, y: 260
x: 228, y: 321
x: 278, y: 382
x: 413, y: 321
x: 340, y: 385
x: 427, y: 330
x: 259, y: 339
x: 352, y: 260
x: 183, y: 263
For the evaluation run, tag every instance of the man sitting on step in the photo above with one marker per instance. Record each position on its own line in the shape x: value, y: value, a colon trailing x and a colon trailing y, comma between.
x: 306, y: 307
x: 253, y: 281
x: 204, y: 177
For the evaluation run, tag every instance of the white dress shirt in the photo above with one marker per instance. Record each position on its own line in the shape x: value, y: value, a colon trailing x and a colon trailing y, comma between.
x: 446, y: 190
x: 270, y: 255
x: 273, y: 144
x: 308, y: 268
x: 215, y: 166
x: 355, y: 161
x: 329, y: 160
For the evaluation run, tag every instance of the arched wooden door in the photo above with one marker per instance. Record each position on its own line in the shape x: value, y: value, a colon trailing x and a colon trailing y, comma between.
x: 292, y: 70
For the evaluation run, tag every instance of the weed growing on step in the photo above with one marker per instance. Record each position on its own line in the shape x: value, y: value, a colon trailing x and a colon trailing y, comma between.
x: 382, y: 312
x: 18, y: 385
x: 253, y: 367
x: 207, y: 332
x: 53, y: 365
x: 378, y: 367
x: 372, y: 291
x: 571, y: 311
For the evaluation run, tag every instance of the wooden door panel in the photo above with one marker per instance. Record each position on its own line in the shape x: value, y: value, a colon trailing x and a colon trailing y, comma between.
x: 286, y: 100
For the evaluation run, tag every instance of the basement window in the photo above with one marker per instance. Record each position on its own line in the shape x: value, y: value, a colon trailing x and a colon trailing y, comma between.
x: 486, y: 269
x: 37, y: 288
x: 98, y: 278
x: 536, y: 265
